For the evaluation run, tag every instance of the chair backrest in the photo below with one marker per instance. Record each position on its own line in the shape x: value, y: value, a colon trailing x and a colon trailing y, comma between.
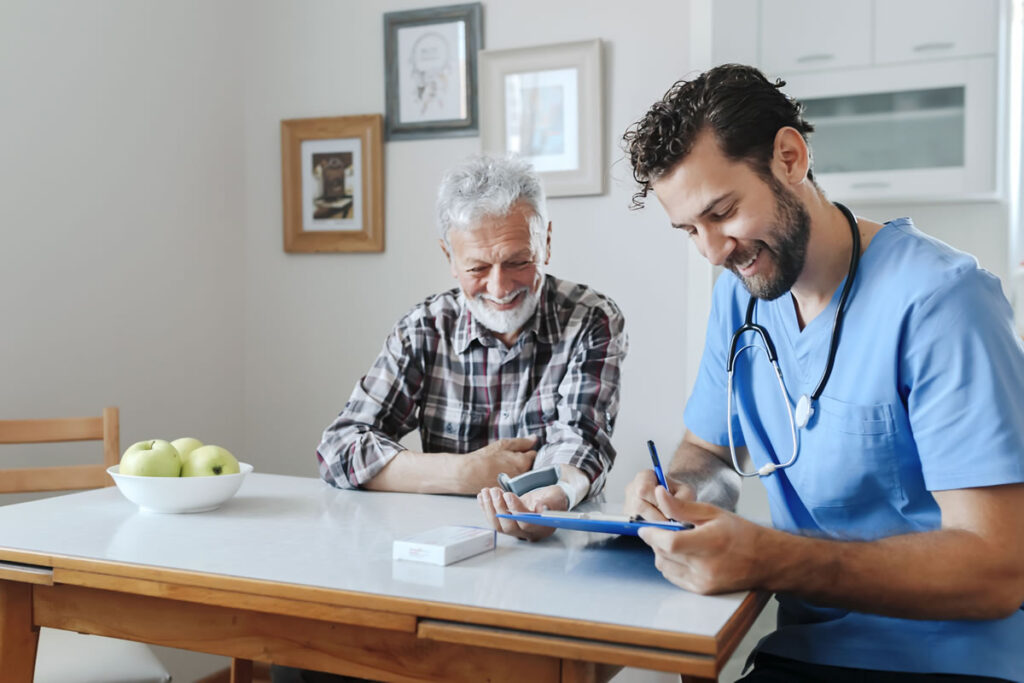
x: 68, y: 477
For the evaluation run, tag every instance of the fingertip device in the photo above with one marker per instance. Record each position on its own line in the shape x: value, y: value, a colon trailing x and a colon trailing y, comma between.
x: 528, y: 481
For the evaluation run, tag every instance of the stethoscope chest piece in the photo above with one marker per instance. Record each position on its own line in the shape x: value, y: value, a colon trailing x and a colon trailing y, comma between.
x: 804, y: 411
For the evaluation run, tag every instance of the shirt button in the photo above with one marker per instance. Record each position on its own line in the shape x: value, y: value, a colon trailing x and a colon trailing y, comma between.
x: 504, y: 413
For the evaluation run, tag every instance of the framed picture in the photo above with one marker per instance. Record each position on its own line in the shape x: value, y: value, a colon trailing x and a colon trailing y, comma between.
x: 545, y: 104
x: 332, y: 179
x: 430, y: 58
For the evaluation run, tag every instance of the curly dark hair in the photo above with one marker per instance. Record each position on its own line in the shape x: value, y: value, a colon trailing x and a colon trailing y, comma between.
x: 743, y: 108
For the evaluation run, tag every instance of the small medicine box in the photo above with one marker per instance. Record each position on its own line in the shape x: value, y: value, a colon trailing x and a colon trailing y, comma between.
x: 445, y: 544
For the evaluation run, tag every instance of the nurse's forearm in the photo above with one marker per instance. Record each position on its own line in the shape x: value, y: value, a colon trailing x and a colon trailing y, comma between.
x: 707, y: 477
x: 952, y: 573
x: 930, y: 575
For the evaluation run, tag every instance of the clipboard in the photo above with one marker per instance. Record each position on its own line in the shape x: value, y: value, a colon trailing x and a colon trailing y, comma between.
x: 601, y: 522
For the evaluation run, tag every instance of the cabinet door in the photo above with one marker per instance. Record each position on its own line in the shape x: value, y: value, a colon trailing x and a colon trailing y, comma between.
x: 910, y: 131
x: 806, y: 35
x: 913, y: 30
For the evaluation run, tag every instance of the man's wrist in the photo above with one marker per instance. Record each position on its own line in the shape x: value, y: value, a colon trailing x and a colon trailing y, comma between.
x: 574, y: 483
x: 570, y: 494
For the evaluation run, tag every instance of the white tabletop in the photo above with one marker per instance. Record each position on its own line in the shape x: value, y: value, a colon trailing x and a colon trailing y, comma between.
x: 302, y: 531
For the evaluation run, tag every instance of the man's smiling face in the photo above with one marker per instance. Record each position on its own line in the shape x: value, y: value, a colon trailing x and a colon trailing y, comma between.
x: 756, y: 228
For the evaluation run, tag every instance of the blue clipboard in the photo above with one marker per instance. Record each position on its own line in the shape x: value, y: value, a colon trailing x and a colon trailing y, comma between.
x: 593, y: 521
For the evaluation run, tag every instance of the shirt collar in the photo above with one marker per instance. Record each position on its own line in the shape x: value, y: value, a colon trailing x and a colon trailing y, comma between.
x: 543, y: 324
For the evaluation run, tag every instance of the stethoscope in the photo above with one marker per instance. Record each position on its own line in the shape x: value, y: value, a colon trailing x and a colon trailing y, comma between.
x: 805, y: 406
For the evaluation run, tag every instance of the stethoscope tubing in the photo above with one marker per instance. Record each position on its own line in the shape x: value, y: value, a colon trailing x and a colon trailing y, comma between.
x: 769, y: 349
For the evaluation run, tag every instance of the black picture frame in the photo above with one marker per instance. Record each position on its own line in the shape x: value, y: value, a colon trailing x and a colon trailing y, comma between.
x: 430, y: 74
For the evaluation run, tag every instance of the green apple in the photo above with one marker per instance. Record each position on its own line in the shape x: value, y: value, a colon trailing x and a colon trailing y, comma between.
x: 185, y: 445
x: 207, y: 461
x: 152, y: 458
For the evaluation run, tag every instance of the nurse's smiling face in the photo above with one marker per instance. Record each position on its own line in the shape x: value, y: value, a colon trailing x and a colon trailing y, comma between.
x: 758, y: 229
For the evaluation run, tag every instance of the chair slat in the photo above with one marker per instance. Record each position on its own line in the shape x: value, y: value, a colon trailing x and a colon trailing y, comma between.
x: 69, y: 478
x: 52, y: 430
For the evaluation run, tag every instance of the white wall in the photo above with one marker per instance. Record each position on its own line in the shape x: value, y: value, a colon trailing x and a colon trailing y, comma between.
x: 121, y: 258
x: 314, y: 323
x: 121, y: 216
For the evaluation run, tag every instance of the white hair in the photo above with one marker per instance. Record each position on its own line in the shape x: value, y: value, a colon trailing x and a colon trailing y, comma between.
x: 484, y: 186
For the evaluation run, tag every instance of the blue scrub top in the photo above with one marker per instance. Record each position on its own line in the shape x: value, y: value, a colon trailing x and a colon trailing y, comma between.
x: 926, y: 394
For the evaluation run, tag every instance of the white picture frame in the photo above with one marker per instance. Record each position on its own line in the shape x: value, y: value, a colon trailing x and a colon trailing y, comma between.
x: 546, y: 104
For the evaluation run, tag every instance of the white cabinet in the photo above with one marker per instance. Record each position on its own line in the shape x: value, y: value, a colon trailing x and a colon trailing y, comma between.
x: 902, y: 93
x: 801, y: 35
x: 911, y: 30
x: 903, y: 131
x: 811, y: 35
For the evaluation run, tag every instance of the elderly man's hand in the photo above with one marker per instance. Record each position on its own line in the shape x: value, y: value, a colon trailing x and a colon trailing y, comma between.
x: 480, y: 468
x: 494, y: 501
x: 640, y: 500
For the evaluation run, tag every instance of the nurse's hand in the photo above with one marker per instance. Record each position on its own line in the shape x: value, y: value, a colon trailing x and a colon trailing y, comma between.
x: 640, y: 500
x: 717, y: 556
x: 495, y: 501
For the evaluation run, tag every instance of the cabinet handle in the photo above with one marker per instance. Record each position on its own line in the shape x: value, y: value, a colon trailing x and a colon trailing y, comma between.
x: 935, y: 47
x: 816, y: 57
x: 870, y: 185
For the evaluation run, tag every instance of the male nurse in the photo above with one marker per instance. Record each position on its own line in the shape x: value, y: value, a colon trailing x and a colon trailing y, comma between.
x: 892, y: 445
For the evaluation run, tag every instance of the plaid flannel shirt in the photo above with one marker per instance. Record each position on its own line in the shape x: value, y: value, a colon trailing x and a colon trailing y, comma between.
x: 443, y: 372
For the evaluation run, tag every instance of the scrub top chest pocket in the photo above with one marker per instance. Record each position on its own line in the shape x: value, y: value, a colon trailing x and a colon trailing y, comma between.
x: 848, y: 463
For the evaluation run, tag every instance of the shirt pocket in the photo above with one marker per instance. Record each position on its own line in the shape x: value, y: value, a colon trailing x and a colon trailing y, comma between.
x: 848, y: 460
x: 451, y: 428
x: 540, y: 411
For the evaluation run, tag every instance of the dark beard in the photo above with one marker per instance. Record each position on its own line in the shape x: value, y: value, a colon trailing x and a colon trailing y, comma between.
x: 789, y: 237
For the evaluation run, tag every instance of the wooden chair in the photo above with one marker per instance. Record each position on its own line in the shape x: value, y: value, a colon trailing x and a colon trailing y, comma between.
x: 65, y: 656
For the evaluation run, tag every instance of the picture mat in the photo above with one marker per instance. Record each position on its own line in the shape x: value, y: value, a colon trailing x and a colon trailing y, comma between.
x: 432, y: 72
x: 541, y: 115
x: 584, y: 177
x: 310, y: 185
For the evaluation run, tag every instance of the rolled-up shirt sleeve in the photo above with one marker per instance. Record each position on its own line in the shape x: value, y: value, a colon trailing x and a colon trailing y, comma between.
x: 381, y: 410
x: 589, y: 403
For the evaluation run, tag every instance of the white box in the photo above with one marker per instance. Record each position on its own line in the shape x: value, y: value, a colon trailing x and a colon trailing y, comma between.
x: 445, y: 544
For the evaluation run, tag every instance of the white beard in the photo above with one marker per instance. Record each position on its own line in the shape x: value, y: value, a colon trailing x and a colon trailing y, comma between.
x: 504, y: 322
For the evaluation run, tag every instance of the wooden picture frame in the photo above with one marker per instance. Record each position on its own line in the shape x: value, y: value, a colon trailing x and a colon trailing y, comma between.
x: 430, y: 58
x: 332, y: 180
x: 546, y: 104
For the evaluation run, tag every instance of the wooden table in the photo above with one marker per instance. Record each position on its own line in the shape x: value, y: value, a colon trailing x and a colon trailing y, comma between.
x: 295, y: 572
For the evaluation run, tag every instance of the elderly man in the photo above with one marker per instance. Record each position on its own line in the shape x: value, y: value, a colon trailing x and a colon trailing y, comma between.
x: 511, y: 370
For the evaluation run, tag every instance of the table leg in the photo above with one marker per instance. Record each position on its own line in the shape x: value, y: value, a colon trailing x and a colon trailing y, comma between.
x: 575, y: 671
x: 18, y: 636
x: 241, y: 670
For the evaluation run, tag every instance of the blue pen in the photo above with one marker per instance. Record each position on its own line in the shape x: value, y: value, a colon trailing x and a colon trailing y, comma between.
x: 657, y: 464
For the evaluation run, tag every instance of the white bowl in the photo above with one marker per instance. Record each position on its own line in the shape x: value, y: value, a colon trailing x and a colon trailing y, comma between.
x: 179, y: 494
